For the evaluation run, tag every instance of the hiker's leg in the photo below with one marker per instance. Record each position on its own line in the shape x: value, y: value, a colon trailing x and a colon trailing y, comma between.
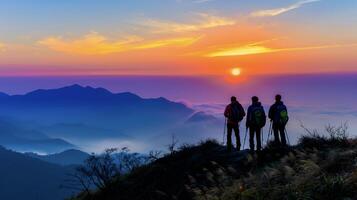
x: 282, y: 135
x: 259, y: 139
x: 251, y: 138
x: 236, y: 131
x: 229, y: 136
x: 276, y: 134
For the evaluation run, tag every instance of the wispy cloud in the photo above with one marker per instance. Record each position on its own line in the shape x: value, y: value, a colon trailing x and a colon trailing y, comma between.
x: 184, y: 41
x: 205, y: 21
x: 96, y: 44
x: 2, y: 47
x: 279, y: 11
x: 92, y: 43
x: 256, y: 48
x: 201, y: 1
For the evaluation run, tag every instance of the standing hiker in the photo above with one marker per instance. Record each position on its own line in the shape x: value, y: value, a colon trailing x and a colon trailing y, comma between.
x: 256, y: 120
x: 278, y: 114
x: 234, y: 113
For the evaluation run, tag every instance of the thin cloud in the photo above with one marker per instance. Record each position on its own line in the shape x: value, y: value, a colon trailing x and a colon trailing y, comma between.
x: 96, y: 44
x: 202, y: 1
x: 185, y: 41
x: 279, y: 11
x: 253, y: 49
x: 206, y: 21
x: 2, y: 47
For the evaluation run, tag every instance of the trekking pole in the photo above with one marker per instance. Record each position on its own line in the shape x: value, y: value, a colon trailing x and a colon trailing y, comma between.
x: 287, y: 136
x: 245, y: 137
x: 224, y: 130
x: 262, y: 138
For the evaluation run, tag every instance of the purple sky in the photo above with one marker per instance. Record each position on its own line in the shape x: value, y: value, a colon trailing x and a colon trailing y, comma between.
x: 314, y: 100
x: 328, y: 90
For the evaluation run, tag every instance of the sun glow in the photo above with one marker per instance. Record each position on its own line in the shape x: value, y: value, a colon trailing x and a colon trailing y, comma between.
x: 236, y: 71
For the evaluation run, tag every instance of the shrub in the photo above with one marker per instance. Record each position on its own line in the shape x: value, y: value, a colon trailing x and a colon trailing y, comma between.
x: 337, y: 136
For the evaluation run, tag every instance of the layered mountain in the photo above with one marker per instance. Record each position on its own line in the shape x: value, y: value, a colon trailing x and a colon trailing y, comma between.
x: 15, y: 135
x: 23, y: 177
x: 82, y: 115
x: 65, y: 158
x: 95, y: 105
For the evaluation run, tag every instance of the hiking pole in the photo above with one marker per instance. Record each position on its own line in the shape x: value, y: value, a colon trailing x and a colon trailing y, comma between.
x: 224, y: 129
x: 245, y: 137
x: 262, y: 138
x: 287, y: 136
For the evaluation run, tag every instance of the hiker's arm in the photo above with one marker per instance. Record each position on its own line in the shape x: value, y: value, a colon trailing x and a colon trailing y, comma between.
x: 226, y: 112
x: 264, y: 117
x: 242, y: 110
x: 248, y: 118
x: 271, y: 113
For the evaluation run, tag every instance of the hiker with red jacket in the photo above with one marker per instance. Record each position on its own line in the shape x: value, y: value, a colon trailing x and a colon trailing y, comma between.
x: 256, y: 120
x: 234, y: 113
x: 278, y: 114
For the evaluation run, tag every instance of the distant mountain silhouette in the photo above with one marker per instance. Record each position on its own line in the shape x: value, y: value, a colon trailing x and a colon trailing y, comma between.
x: 14, y: 136
x: 201, y: 117
x: 23, y: 177
x: 77, y: 113
x: 3, y: 95
x: 81, y: 131
x: 68, y: 157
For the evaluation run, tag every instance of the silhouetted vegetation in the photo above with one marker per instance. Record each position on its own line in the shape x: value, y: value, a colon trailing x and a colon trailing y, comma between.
x: 100, y: 171
x: 320, y: 166
x: 334, y: 136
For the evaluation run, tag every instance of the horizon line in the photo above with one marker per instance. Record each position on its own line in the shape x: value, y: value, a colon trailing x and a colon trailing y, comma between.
x: 175, y: 75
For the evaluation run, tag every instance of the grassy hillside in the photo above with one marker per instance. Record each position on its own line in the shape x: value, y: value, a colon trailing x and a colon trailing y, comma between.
x: 317, y: 168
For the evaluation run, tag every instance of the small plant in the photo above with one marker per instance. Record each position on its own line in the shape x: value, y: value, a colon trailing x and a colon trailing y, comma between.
x: 173, y: 144
x: 99, y: 171
x: 335, y: 136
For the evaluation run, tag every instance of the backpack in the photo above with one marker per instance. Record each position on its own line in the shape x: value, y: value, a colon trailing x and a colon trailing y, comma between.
x: 258, y: 117
x: 235, y: 115
x: 282, y: 114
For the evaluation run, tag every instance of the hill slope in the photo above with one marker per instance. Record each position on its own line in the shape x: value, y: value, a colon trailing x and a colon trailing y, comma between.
x: 23, y: 177
x: 68, y: 157
x: 317, y: 168
x: 15, y: 136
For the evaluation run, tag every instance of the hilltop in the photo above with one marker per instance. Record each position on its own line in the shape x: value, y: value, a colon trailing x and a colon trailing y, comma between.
x: 316, y: 168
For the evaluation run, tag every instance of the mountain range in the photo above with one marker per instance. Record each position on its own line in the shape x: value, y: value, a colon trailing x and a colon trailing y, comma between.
x: 50, y: 121
x: 15, y: 135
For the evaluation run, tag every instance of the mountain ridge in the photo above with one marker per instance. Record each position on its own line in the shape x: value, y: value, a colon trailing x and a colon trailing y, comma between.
x: 66, y: 158
x: 113, y: 115
x: 23, y: 177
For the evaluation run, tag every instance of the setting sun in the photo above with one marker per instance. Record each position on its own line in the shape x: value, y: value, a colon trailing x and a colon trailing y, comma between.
x: 236, y: 71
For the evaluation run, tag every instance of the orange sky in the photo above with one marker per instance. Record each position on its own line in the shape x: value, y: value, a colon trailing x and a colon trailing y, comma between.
x: 261, y: 41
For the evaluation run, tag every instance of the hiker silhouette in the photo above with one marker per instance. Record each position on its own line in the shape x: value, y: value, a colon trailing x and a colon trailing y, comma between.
x: 256, y: 120
x: 234, y: 113
x: 278, y: 115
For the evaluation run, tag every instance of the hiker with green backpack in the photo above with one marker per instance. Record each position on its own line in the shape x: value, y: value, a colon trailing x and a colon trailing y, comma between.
x: 278, y: 114
x: 256, y: 120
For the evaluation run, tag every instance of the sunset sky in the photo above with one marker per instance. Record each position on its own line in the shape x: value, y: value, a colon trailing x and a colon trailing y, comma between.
x: 177, y: 37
